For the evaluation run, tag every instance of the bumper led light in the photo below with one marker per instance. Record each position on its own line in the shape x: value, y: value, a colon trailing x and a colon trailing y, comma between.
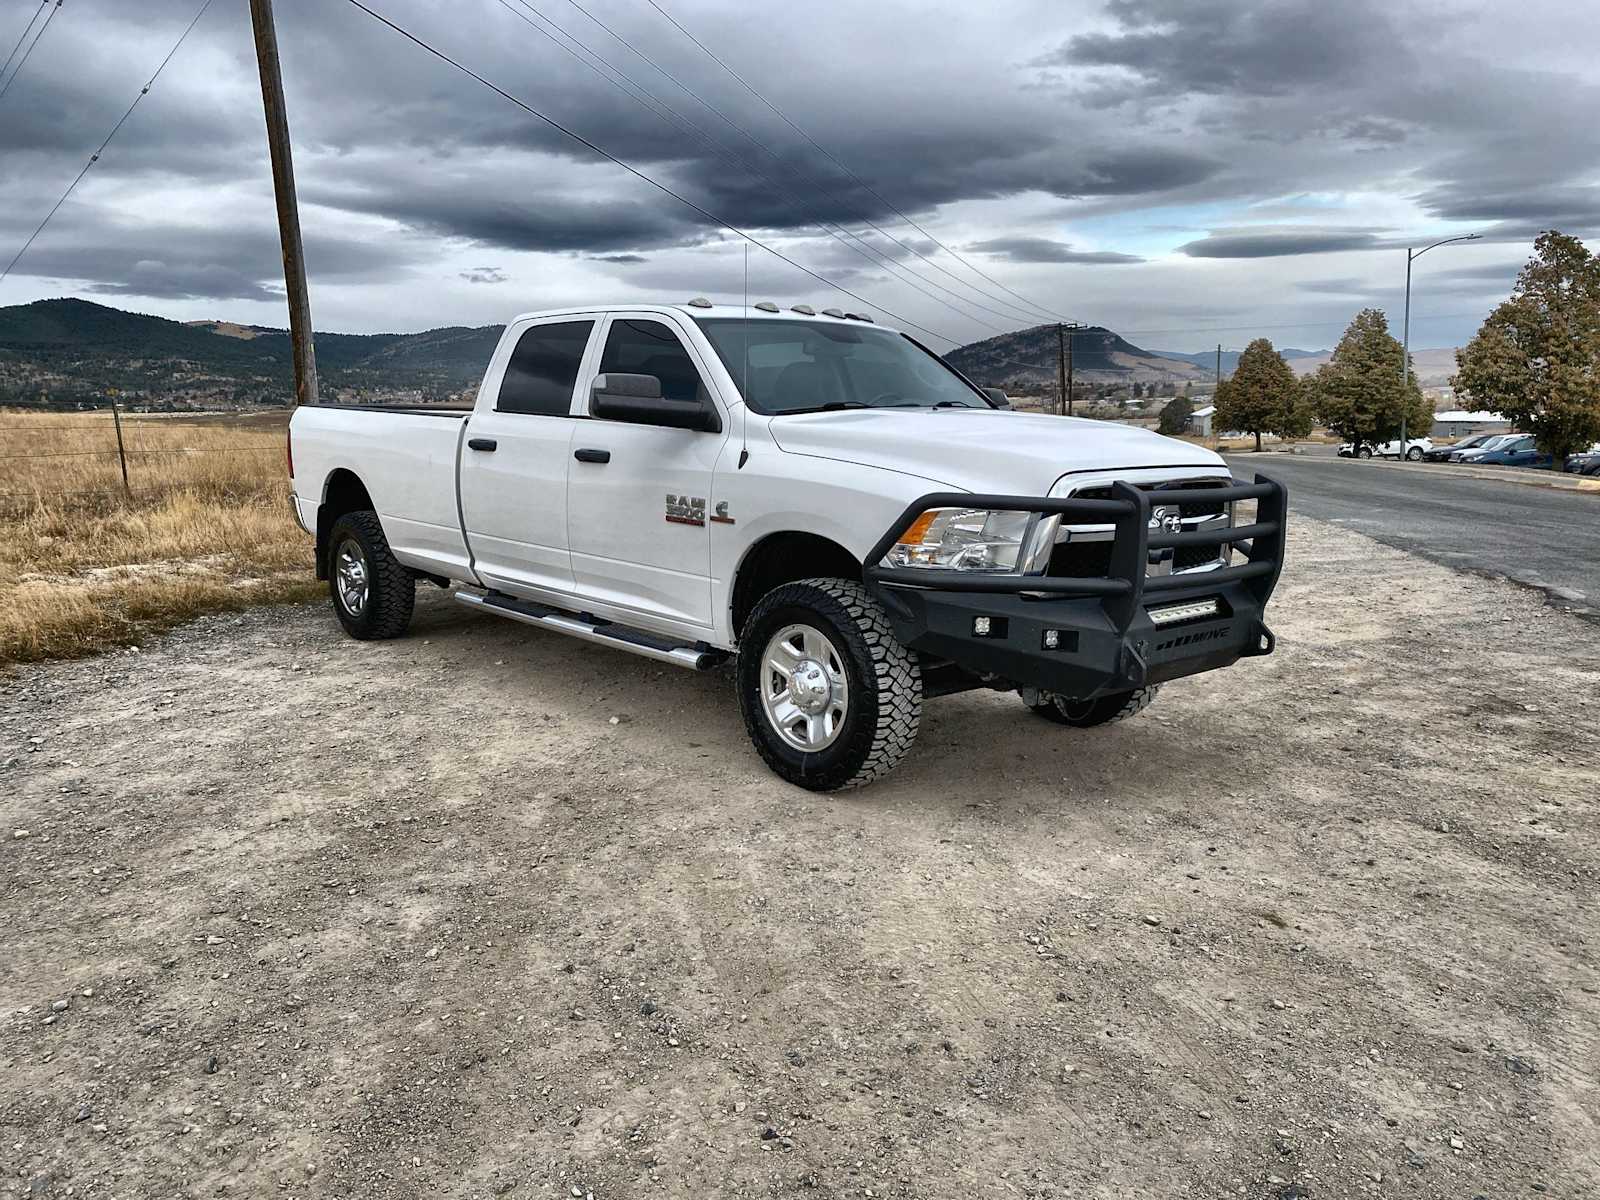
x: 1193, y: 610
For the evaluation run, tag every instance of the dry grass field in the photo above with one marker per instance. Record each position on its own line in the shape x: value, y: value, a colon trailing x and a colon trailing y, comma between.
x: 84, y: 566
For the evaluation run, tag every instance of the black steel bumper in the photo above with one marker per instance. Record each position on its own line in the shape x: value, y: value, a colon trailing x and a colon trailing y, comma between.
x: 1105, y: 638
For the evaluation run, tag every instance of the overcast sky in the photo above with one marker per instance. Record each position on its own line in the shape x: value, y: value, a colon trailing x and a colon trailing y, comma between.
x: 1185, y: 171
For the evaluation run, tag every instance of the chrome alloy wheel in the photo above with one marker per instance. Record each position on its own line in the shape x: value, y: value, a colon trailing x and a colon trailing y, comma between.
x: 351, y: 576
x: 804, y: 689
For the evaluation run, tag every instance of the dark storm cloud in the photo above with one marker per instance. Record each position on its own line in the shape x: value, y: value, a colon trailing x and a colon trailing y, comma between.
x: 176, y: 261
x: 1164, y: 105
x: 1045, y: 250
x: 1175, y: 48
x: 508, y: 209
x: 1275, y: 243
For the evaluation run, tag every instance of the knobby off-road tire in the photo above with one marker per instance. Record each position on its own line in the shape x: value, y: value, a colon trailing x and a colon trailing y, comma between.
x: 1118, y: 706
x: 882, y: 683
x: 356, y: 542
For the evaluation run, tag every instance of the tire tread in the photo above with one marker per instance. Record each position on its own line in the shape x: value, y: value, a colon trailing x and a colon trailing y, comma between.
x: 392, y: 591
x: 896, y: 671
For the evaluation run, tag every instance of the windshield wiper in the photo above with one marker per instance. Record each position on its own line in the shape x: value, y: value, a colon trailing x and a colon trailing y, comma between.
x: 830, y: 406
x: 956, y: 404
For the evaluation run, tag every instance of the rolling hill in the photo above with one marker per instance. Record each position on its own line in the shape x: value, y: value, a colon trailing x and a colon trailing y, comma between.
x: 69, y: 351
x: 1028, y: 359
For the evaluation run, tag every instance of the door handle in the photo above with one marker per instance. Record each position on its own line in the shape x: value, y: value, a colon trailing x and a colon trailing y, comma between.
x: 484, y: 444
x: 592, y: 456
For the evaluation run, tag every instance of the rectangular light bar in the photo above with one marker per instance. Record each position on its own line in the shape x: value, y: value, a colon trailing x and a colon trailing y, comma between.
x: 1190, y: 610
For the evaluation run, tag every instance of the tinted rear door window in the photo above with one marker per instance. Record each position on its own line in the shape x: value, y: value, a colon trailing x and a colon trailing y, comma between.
x: 544, y: 369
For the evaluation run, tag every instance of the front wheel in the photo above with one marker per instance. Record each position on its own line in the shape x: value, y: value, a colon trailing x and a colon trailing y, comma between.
x: 1082, y: 714
x: 830, y: 697
x: 372, y: 590
x: 1365, y: 452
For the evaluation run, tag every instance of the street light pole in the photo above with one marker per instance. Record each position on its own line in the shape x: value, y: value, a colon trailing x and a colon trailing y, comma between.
x: 1405, y: 343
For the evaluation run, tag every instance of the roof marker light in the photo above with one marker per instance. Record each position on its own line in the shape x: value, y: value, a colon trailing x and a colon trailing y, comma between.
x: 805, y: 310
x: 833, y: 312
x: 766, y: 306
x: 700, y: 302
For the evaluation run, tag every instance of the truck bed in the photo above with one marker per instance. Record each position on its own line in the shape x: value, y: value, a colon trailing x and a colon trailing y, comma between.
x: 406, y: 459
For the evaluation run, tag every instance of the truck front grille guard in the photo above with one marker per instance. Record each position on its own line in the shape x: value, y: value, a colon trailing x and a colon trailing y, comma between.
x: 1123, y: 589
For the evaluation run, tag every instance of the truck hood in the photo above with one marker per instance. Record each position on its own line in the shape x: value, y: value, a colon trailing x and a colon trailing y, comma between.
x: 983, y: 450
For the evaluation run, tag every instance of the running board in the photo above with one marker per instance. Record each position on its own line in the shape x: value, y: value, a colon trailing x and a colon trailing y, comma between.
x: 604, y: 633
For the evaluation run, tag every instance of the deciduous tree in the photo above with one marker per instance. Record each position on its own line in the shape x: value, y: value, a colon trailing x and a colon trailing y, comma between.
x: 1536, y: 360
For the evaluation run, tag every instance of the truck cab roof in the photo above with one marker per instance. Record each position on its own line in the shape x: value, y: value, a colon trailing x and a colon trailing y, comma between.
x: 763, y: 310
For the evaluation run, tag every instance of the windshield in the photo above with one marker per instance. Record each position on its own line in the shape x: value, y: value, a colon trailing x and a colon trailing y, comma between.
x: 810, y: 366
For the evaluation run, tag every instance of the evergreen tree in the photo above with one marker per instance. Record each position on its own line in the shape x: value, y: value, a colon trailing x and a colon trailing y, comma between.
x: 1260, y: 394
x: 1175, y: 415
x: 1536, y: 360
x: 1358, y: 392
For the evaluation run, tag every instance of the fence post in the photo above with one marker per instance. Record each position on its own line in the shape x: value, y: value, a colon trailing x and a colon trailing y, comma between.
x: 122, y: 454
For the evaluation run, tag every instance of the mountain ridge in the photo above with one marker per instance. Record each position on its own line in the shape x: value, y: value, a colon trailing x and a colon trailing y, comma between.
x: 71, y: 351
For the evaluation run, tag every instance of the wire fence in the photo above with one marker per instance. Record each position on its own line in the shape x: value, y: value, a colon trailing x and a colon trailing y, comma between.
x: 113, y: 458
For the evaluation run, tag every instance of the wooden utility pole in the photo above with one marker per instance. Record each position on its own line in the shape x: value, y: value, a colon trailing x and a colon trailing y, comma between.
x: 294, y: 260
x: 1074, y: 328
x: 1061, y: 369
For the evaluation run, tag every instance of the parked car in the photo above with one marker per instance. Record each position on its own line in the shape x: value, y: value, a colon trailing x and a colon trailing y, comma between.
x: 1585, y: 462
x: 1520, y: 452
x: 1478, y: 451
x: 1443, y: 453
x: 1415, y: 449
x: 861, y: 525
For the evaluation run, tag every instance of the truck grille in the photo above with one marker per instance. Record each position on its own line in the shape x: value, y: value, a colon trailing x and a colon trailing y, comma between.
x: 1087, y: 554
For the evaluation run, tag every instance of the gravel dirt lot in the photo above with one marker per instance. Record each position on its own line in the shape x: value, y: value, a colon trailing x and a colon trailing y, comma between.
x: 488, y: 912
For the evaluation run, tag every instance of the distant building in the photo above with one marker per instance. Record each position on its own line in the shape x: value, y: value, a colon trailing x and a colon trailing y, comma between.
x: 1460, y: 423
x: 1200, y: 420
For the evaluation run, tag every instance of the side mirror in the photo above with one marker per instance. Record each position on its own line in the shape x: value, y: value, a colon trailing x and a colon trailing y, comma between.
x: 998, y: 397
x: 637, y: 399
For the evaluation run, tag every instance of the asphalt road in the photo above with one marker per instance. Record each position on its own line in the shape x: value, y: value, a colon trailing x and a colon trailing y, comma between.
x: 1543, y: 538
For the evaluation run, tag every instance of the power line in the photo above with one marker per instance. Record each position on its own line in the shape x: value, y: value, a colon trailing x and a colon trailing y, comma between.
x: 638, y: 174
x: 43, y: 4
x: 704, y: 49
x: 115, y: 129
x: 32, y: 46
x: 865, y: 218
x: 619, y: 79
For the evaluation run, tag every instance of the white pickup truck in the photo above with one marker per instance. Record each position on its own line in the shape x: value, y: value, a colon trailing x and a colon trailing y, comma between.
x: 817, y: 494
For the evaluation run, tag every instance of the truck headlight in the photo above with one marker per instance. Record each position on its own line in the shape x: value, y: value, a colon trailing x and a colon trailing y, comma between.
x: 972, y: 539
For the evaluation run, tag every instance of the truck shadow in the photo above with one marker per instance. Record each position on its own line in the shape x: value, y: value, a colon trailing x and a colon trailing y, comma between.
x: 979, y: 748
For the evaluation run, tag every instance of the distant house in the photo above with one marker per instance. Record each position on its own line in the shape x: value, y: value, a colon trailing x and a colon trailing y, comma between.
x: 1460, y: 423
x: 1200, y: 420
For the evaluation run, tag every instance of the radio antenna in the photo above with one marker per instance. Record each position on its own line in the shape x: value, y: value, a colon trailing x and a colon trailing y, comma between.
x: 744, y: 383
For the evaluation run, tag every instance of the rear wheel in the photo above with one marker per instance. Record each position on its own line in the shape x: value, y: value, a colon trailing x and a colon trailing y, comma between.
x: 1118, y: 706
x: 830, y: 698
x: 372, y: 592
x: 1414, y: 454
